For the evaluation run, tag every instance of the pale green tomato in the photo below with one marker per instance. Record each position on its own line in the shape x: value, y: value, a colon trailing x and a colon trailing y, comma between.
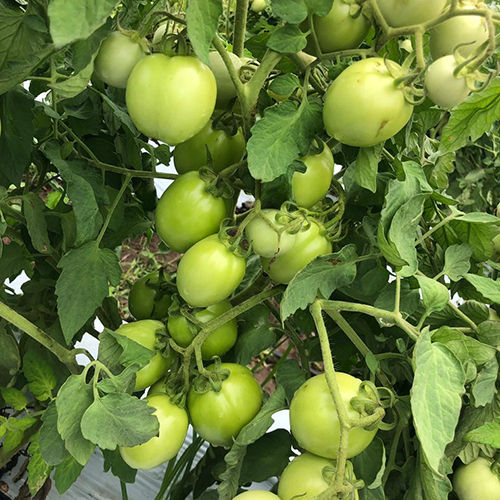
x: 363, y: 106
x: 258, y: 6
x: 256, y: 494
x: 443, y: 87
x: 116, y: 58
x: 225, y: 87
x: 476, y: 481
x: 173, y: 422
x: 458, y: 30
x: 410, y: 12
x: 170, y: 98
x: 144, y: 333
x: 312, y: 185
x: 265, y: 240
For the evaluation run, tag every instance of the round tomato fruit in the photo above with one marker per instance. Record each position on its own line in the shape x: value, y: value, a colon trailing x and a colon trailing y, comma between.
x: 117, y: 56
x: 306, y: 476
x: 266, y: 235
x: 311, y: 186
x: 344, y: 27
x: 218, y: 417
x: 468, y: 32
x: 225, y: 87
x: 209, y: 272
x: 364, y: 106
x: 399, y: 13
x: 309, y: 244
x: 256, y: 495
x: 147, y: 300
x: 144, y: 333
x: 314, y: 420
x: 173, y: 422
x: 476, y: 481
x: 443, y: 87
x: 224, y: 149
x: 218, y: 342
x: 187, y: 212
x: 170, y: 98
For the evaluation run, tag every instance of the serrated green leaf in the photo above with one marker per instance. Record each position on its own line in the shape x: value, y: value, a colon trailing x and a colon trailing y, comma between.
x: 487, y: 287
x: 287, y: 40
x: 66, y: 473
x: 457, y: 261
x: 434, y: 294
x: 14, y: 398
x: 40, y: 375
x: 38, y: 470
x: 291, y: 11
x: 484, y: 388
x: 50, y: 441
x: 366, y: 167
x: 34, y: 211
x: 488, y: 433
x: 14, y: 432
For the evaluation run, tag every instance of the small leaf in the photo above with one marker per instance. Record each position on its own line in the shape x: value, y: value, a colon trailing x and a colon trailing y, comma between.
x: 14, y: 398
x: 15, y: 429
x: 50, y: 441
x: 435, y: 295
x: 457, y: 261
x: 488, y: 433
x: 366, y: 167
x: 291, y: 11
x: 484, y: 387
x: 485, y: 286
x: 39, y: 374
x: 113, y: 461
x: 66, y: 474
x: 34, y: 211
x: 38, y: 470
x: 287, y: 40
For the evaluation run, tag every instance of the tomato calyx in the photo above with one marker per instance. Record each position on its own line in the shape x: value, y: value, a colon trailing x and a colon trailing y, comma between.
x: 210, y: 380
x: 217, y: 185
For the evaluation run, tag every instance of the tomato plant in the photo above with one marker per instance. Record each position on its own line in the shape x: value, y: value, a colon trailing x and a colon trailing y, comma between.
x: 476, y: 480
x: 147, y: 299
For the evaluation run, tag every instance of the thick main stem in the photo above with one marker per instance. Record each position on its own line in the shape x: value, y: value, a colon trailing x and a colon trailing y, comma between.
x: 240, y: 26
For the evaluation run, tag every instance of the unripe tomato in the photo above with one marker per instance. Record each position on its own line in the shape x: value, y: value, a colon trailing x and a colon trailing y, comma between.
x: 144, y: 333
x: 363, y: 107
x: 209, y: 272
x: 309, y: 244
x: 306, y: 476
x: 218, y: 342
x: 145, y: 302
x: 443, y: 87
x: 476, y: 481
x: 314, y: 420
x: 265, y: 240
x: 170, y: 98
x: 225, y: 87
x: 173, y: 422
x: 117, y: 56
x: 312, y: 186
x: 218, y: 417
x: 258, y: 6
x: 256, y: 494
x: 225, y: 150
x: 344, y: 27
x: 469, y: 30
x: 399, y: 13
x: 187, y: 212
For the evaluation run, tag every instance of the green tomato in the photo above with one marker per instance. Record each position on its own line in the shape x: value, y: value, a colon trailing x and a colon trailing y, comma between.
x: 144, y: 333
x: 443, y: 87
x: 256, y: 494
x: 476, y: 481
x: 309, y: 244
x: 225, y: 87
x: 117, y: 56
x: 218, y: 342
x: 173, y: 422
x: 469, y: 30
x: 265, y: 240
x: 363, y: 107
x: 218, y: 417
x: 209, y: 273
x: 187, y: 212
x: 312, y: 185
x: 344, y: 27
x: 314, y: 420
x: 145, y: 301
x: 410, y: 12
x: 170, y: 98
x: 225, y: 150
x: 306, y: 476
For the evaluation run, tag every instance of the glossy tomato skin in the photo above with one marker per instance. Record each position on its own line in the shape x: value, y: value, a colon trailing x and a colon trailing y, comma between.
x: 187, y: 212
x: 311, y: 186
x: 476, y: 481
x: 469, y: 30
x: 170, y: 98
x: 209, y: 273
x: 218, y: 417
x: 304, y: 478
x: 144, y: 333
x: 444, y: 88
x: 363, y: 107
x: 117, y: 56
x: 218, y: 342
x: 256, y: 495
x: 173, y: 422
x: 309, y: 244
x: 399, y: 13
x: 314, y: 420
x: 145, y: 302
x: 225, y: 88
x: 344, y: 27
x: 225, y: 150
x: 265, y: 241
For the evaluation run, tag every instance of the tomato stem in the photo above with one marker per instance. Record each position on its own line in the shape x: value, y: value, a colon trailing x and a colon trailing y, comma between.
x: 240, y: 26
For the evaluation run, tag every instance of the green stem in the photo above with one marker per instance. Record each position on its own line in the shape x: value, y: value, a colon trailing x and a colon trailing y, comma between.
x: 64, y: 355
x: 462, y: 316
x: 240, y: 26
x: 397, y: 298
x: 123, y: 487
x: 443, y: 222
